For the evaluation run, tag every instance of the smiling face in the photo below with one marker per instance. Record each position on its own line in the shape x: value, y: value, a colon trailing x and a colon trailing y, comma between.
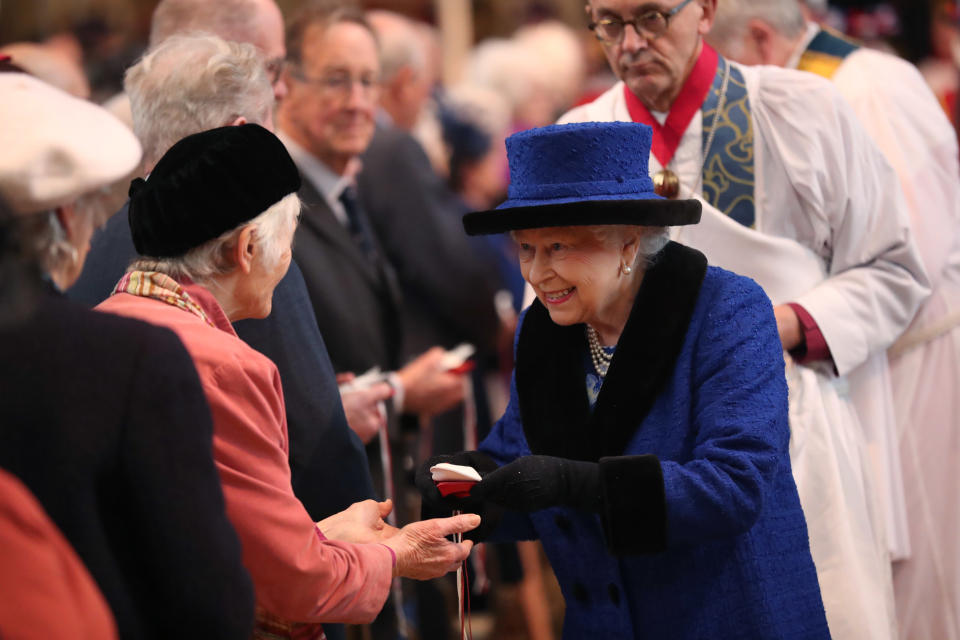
x: 655, y: 69
x: 577, y: 275
x: 330, y: 105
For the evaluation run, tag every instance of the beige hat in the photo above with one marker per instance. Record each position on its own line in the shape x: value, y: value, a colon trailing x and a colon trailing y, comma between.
x: 54, y: 147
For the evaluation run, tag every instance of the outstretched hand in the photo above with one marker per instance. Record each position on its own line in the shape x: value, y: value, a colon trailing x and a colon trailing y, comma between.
x: 532, y: 483
x: 423, y: 551
x: 361, y: 522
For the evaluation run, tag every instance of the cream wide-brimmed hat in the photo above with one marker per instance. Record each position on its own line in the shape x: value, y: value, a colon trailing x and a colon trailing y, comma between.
x: 55, y: 148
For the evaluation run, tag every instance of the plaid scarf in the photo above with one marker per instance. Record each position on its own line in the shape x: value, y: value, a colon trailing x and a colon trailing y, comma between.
x: 270, y: 627
x: 159, y: 286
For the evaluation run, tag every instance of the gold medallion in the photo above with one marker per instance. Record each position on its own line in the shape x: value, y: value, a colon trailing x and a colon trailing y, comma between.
x: 666, y: 184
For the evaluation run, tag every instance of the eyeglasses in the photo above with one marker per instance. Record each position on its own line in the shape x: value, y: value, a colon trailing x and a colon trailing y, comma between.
x: 649, y: 25
x: 339, y: 83
x: 274, y: 68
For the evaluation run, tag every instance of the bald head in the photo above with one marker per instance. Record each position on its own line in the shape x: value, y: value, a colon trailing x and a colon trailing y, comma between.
x: 256, y: 22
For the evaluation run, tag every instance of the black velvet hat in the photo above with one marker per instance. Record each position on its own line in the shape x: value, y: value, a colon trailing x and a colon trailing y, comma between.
x: 580, y: 174
x: 207, y: 184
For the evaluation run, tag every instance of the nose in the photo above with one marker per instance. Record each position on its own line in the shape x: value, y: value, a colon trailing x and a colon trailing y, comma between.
x: 279, y: 89
x: 360, y: 95
x: 633, y: 40
x: 540, y: 270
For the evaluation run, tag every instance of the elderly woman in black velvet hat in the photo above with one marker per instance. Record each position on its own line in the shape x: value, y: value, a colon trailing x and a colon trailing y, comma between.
x: 646, y: 439
x: 214, y: 225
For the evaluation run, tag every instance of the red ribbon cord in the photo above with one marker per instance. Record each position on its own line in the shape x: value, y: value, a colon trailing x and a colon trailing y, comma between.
x: 666, y: 137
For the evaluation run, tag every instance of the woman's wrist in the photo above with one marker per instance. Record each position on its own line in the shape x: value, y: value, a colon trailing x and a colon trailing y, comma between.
x: 393, y: 557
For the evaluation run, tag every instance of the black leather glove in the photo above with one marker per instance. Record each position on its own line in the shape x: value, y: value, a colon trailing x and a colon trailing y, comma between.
x: 532, y: 483
x: 428, y: 488
x: 436, y: 506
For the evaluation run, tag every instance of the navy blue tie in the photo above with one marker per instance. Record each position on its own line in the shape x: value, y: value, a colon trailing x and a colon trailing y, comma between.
x: 357, y: 223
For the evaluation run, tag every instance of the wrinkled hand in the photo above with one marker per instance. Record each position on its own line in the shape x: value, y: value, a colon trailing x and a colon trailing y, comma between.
x: 428, y: 388
x: 361, y: 522
x: 423, y: 551
x: 363, y: 407
x: 532, y: 483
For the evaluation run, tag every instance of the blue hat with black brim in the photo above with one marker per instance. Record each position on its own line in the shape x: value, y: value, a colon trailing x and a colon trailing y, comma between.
x: 582, y: 174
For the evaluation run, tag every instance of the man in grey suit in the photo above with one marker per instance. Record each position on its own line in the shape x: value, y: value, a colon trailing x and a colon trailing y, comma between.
x: 327, y: 121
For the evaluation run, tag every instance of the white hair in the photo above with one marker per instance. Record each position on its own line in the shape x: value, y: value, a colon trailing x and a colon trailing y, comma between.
x: 542, y: 65
x: 785, y: 16
x: 213, y: 258
x: 561, y: 59
x: 45, y: 240
x: 192, y: 83
x: 480, y: 106
x: 400, y: 43
x: 650, y: 240
x: 503, y: 66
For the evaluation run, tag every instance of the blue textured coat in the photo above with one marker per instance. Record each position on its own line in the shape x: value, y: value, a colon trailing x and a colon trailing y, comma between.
x: 701, y: 533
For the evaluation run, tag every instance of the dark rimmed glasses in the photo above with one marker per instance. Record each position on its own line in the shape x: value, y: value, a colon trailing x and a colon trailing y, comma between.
x: 274, y: 68
x: 338, y: 83
x: 649, y: 25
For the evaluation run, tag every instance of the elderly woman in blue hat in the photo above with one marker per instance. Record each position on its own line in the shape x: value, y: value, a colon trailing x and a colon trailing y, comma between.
x: 646, y: 439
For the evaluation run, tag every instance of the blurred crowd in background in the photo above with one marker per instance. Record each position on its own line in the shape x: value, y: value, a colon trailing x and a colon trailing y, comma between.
x: 528, y: 61
x: 523, y: 64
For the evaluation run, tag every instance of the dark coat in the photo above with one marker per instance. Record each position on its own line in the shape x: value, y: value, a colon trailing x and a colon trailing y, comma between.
x: 104, y: 420
x: 327, y: 460
x: 356, y: 300
x: 447, y: 287
x: 701, y: 534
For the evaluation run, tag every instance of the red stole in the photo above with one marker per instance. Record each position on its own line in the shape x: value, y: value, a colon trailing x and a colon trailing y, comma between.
x: 666, y: 137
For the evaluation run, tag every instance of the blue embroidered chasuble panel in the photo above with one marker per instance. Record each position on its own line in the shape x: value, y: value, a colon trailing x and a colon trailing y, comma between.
x: 728, y: 167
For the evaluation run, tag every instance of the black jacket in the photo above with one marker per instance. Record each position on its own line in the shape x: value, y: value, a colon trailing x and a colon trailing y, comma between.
x: 104, y: 420
x: 447, y: 287
x: 356, y: 300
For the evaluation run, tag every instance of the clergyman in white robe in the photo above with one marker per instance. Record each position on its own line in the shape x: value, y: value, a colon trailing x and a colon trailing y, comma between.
x: 903, y: 117
x: 823, y: 188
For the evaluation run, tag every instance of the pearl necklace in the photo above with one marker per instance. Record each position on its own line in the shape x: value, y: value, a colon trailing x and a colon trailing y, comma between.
x: 600, y: 358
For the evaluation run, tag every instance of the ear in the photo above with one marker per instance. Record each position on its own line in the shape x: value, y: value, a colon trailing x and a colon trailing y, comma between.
x: 761, y: 38
x: 239, y: 120
x: 401, y: 82
x: 246, y: 251
x: 630, y: 247
x: 709, y: 8
x: 69, y: 219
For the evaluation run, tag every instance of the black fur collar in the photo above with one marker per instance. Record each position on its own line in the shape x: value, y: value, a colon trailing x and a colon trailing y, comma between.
x: 551, y: 380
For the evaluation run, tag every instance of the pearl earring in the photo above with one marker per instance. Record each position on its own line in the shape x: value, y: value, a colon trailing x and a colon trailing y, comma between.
x: 627, y: 269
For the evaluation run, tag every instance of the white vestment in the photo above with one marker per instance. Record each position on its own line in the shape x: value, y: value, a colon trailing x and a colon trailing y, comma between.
x: 903, y: 117
x: 822, y: 185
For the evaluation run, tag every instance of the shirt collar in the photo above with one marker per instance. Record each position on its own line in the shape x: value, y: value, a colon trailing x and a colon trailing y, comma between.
x: 329, y: 184
x: 812, y: 30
